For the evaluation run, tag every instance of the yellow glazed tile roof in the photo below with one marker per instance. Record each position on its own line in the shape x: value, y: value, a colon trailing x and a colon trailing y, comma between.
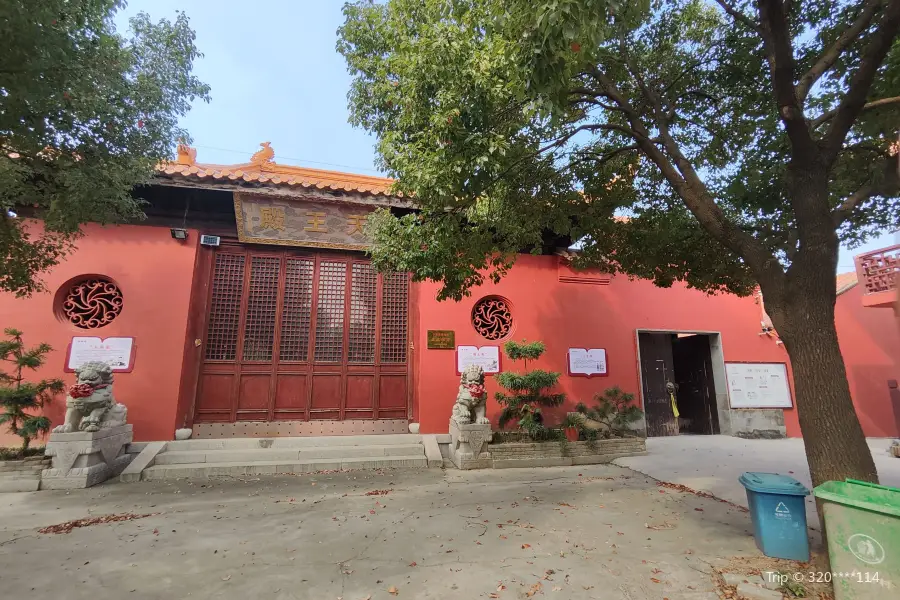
x: 262, y: 168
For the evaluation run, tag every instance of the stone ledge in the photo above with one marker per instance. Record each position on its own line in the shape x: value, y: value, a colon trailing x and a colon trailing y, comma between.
x: 144, y: 459
x: 20, y: 485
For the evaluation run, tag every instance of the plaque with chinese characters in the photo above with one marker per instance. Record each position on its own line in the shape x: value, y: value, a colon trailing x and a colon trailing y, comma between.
x: 289, y: 222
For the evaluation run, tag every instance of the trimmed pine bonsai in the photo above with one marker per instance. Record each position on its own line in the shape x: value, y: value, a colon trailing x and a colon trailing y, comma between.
x: 21, y: 401
x: 614, y: 410
x: 526, y: 394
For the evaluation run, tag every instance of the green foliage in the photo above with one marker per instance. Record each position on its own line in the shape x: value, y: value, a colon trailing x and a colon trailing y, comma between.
x: 527, y: 392
x: 524, y: 350
x: 508, y: 120
x: 614, y: 408
x: 20, y: 400
x: 85, y: 115
x: 573, y: 420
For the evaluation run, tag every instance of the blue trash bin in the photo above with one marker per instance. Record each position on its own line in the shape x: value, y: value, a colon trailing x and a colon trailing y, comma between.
x: 778, y: 510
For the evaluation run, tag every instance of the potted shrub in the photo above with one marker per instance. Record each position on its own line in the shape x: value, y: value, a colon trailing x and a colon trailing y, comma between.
x: 22, y: 401
x: 613, y: 413
x: 572, y: 424
x: 526, y: 393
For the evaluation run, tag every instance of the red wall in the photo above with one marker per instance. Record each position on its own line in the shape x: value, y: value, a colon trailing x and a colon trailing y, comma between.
x: 154, y: 273
x: 578, y: 315
x: 870, y: 343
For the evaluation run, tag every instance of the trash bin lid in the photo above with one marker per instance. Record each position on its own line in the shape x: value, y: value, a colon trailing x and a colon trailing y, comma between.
x: 862, y: 495
x: 773, y: 483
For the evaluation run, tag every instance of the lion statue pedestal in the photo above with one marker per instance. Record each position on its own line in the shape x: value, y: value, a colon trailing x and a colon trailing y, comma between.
x: 90, y: 447
x: 470, y: 430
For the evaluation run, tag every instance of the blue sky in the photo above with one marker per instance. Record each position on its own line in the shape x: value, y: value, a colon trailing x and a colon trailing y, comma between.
x: 276, y: 77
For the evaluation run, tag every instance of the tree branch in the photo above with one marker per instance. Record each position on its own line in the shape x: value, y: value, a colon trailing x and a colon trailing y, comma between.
x: 738, y: 15
x: 867, y: 106
x: 692, y: 191
x: 777, y: 41
x: 858, y: 89
x: 846, y: 208
x: 889, y: 184
x: 832, y: 53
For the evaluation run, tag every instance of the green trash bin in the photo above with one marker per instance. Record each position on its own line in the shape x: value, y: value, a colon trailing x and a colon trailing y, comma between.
x: 862, y: 524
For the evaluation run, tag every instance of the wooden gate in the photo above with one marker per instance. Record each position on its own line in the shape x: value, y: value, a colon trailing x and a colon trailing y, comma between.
x: 657, y: 368
x: 302, y: 336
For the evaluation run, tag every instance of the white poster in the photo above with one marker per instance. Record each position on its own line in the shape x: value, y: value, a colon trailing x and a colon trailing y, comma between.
x: 486, y: 357
x: 758, y: 385
x: 115, y: 351
x: 587, y: 361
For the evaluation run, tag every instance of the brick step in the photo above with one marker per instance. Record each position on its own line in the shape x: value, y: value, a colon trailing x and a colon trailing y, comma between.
x: 292, y: 442
x: 271, y: 467
x: 285, y: 454
x: 19, y: 485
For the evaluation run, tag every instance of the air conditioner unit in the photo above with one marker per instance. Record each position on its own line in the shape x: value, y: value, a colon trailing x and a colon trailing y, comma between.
x: 210, y: 240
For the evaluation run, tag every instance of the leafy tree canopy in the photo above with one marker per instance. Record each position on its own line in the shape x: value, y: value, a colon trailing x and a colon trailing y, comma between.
x: 510, y: 119
x: 85, y: 115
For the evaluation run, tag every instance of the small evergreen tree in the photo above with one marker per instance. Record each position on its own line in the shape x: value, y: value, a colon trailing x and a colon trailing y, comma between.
x: 614, y: 409
x: 20, y: 399
x: 527, y: 393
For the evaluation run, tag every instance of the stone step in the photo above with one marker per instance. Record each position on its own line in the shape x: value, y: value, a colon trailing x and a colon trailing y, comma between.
x: 285, y: 454
x: 25, y: 468
x: 271, y: 467
x: 10, y: 475
x: 292, y: 442
x: 19, y: 485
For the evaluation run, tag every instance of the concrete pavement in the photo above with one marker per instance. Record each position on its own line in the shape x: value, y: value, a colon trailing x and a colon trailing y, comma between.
x: 587, y: 532
x: 713, y: 463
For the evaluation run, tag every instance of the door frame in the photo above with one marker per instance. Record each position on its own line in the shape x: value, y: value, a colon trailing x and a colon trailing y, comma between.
x: 720, y: 383
x: 201, y: 295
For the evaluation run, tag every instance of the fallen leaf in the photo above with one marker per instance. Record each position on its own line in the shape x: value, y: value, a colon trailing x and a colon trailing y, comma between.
x: 393, y: 591
x: 699, y: 509
x: 503, y: 537
x: 494, y: 595
x: 371, y: 512
x: 156, y: 532
x: 655, y: 571
x: 655, y: 580
x: 412, y: 564
x: 379, y: 492
x: 501, y: 587
x: 525, y: 546
x: 557, y: 589
x: 534, y: 589
x: 226, y: 578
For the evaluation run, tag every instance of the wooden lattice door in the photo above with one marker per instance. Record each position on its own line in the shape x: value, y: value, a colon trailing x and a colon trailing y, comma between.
x: 294, y: 336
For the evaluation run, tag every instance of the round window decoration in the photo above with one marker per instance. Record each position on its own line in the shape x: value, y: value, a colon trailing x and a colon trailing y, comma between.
x: 492, y: 317
x: 92, y: 303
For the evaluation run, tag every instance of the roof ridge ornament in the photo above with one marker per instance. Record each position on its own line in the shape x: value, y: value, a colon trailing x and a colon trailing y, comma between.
x: 186, y: 155
x: 264, y: 156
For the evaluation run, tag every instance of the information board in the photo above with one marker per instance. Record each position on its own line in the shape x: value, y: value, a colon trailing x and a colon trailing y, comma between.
x: 117, y: 352
x: 758, y: 385
x: 587, y: 362
x: 486, y: 357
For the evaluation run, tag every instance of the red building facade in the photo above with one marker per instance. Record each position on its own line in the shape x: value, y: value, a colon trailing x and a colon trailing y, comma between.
x: 284, y: 328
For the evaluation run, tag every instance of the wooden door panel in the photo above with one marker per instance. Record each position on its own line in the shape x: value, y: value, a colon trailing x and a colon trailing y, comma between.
x: 360, y: 391
x: 214, y: 399
x: 657, y: 367
x: 254, y: 392
x: 304, y: 336
x: 290, y: 392
x: 392, y: 394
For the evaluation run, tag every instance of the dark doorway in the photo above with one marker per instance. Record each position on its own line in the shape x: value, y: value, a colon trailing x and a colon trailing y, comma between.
x: 679, y: 364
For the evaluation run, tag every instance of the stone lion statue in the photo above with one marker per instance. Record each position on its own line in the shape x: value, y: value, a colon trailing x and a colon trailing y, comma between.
x: 90, y: 405
x: 470, y: 399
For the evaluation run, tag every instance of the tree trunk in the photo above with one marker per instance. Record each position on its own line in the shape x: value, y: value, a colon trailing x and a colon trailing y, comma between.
x: 836, y: 448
